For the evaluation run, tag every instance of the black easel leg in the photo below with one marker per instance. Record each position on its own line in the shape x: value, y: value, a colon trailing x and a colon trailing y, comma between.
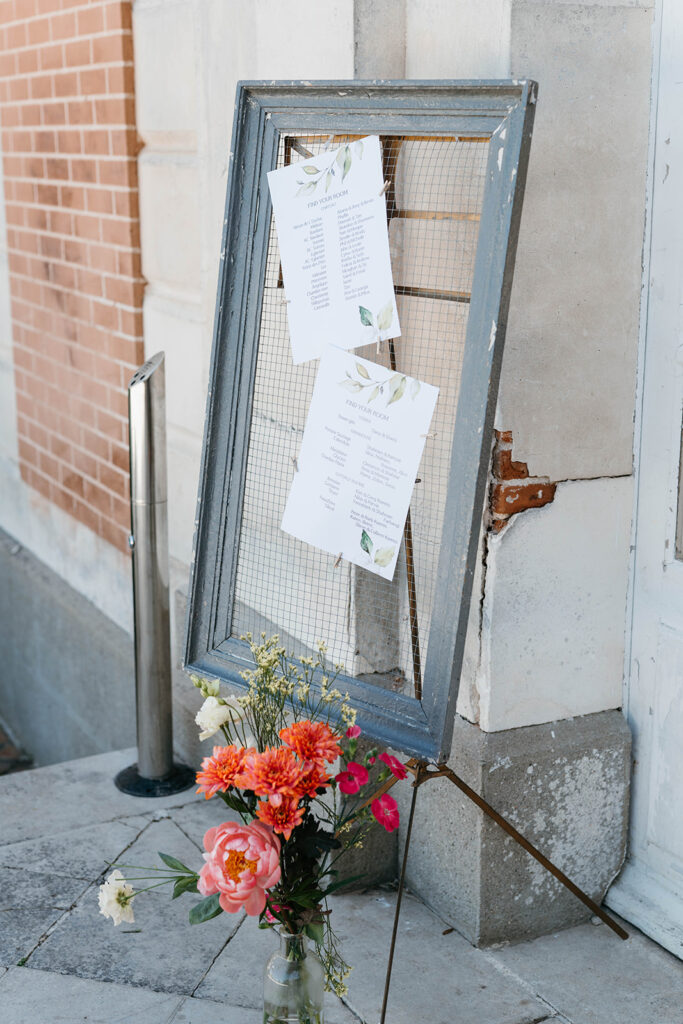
x: 399, y: 897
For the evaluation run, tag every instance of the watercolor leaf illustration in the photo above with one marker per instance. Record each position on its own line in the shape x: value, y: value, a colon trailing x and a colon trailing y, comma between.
x: 365, y: 542
x: 397, y: 386
x: 383, y: 556
x: 340, y: 164
x: 351, y: 385
x: 344, y: 160
x: 383, y: 320
x: 385, y: 316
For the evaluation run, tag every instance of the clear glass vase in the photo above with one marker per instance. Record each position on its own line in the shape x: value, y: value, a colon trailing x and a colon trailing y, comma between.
x: 294, y: 984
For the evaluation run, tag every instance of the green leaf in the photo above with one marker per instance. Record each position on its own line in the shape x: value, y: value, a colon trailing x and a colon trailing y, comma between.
x: 310, y: 169
x: 365, y: 542
x: 351, y: 385
x: 385, y: 316
x: 175, y: 865
x: 365, y: 316
x: 414, y: 388
x: 396, y: 389
x: 359, y: 149
x: 206, y: 909
x: 347, y: 161
x: 341, y: 156
x: 340, y: 885
x: 316, y: 931
x: 307, y: 188
x: 373, y: 394
x: 184, y: 885
x: 362, y: 371
x: 328, y: 180
x: 384, y: 556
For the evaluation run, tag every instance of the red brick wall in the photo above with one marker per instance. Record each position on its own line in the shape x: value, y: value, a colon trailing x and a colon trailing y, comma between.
x: 70, y: 175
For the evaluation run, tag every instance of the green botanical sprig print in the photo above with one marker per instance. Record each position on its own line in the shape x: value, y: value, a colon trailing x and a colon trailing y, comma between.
x: 393, y: 386
x: 339, y: 167
x: 383, y: 320
x: 380, y: 556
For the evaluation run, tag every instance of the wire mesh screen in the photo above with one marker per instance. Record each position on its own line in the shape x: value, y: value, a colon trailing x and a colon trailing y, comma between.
x: 378, y: 629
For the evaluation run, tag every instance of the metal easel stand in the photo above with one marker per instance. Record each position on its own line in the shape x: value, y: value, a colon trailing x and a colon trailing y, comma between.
x: 422, y: 773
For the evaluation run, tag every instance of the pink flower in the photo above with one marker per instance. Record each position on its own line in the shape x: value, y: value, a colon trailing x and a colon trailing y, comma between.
x: 358, y: 771
x: 353, y: 732
x: 242, y: 861
x: 385, y: 810
x: 348, y: 783
x: 277, y: 907
x: 371, y: 760
x: 394, y: 765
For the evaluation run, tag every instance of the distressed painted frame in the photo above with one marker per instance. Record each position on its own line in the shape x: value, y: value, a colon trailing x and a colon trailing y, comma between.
x: 500, y: 110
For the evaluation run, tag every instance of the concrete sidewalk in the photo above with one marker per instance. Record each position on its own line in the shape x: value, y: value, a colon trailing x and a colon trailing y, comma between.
x: 62, y: 963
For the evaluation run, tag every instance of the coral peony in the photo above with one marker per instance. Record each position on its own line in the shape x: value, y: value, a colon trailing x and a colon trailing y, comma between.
x: 385, y: 810
x: 242, y: 862
x: 312, y: 741
x: 220, y: 771
x: 274, y: 771
x: 282, y: 813
x: 394, y: 765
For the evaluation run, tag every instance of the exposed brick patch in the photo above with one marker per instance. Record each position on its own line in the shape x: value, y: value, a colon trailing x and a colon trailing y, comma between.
x: 512, y: 489
x: 69, y: 145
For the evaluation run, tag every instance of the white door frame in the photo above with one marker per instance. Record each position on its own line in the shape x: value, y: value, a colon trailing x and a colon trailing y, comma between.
x: 649, y: 891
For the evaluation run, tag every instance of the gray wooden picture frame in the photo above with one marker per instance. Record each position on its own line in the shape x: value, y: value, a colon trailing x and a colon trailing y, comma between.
x: 500, y: 110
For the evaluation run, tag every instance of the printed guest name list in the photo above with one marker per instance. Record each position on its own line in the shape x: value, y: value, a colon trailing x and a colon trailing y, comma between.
x: 331, y: 225
x: 360, y: 453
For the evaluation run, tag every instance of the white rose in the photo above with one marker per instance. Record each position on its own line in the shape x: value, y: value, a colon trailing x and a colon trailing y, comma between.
x: 214, y: 713
x: 115, y: 899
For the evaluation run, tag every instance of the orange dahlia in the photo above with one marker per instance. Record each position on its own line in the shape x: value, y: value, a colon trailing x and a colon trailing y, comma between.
x: 275, y: 771
x: 219, y: 772
x: 283, y: 814
x: 311, y: 778
x: 312, y: 741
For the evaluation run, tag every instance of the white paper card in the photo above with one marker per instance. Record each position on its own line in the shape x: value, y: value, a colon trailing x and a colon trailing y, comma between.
x: 334, y: 246
x: 359, y: 455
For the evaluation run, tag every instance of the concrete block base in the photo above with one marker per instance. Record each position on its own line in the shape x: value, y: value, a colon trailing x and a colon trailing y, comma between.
x: 563, y: 785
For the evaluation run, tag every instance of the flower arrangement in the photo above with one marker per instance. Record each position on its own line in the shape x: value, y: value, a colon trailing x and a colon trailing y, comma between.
x: 280, y: 862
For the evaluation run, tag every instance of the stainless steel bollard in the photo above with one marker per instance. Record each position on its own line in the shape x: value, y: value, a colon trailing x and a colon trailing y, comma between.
x: 155, y: 773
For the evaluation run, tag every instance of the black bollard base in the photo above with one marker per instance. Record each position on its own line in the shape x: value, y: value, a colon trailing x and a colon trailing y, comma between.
x: 179, y: 779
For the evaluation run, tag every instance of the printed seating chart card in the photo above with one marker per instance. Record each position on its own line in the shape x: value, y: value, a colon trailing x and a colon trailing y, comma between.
x: 361, y: 449
x: 331, y: 219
